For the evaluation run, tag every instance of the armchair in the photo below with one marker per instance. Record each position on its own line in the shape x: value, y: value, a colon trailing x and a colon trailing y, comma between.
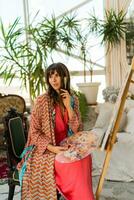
x: 15, y: 139
x: 7, y: 102
x: 14, y: 125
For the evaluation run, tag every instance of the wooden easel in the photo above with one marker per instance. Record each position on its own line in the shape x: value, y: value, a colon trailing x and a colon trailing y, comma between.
x: 110, y: 139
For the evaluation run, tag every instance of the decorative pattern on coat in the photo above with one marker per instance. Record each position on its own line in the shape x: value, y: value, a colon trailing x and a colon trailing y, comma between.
x: 39, y: 181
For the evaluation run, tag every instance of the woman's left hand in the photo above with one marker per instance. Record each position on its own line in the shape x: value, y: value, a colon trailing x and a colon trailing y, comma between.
x: 66, y: 98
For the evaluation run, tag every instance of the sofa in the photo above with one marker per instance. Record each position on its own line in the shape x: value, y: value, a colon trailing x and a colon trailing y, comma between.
x: 121, y: 167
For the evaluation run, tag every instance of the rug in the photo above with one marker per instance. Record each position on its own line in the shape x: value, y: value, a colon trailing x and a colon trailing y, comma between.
x: 3, y: 168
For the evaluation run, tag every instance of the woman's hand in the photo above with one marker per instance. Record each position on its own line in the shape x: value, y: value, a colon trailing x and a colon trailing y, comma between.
x: 56, y: 149
x: 66, y: 98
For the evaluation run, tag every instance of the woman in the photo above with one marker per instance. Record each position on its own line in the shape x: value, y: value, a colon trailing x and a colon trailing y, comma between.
x: 54, y: 117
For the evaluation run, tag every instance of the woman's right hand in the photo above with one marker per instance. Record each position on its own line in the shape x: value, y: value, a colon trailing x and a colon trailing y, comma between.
x: 56, y: 149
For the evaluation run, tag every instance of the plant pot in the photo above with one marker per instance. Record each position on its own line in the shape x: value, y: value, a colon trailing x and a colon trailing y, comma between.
x: 90, y: 90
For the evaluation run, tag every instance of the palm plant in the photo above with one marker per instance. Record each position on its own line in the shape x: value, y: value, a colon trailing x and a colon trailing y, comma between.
x: 21, y: 59
x: 28, y: 59
x: 111, y: 29
x: 60, y: 33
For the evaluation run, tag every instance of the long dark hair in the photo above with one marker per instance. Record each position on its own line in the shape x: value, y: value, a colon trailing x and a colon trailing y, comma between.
x: 63, y: 72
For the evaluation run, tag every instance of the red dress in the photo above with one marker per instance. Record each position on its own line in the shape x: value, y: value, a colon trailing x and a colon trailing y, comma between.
x: 73, y: 180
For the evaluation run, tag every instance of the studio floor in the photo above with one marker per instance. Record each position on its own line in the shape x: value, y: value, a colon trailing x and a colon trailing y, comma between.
x: 111, y: 190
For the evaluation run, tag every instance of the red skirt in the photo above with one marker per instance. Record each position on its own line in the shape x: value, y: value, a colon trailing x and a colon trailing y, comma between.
x: 74, y: 180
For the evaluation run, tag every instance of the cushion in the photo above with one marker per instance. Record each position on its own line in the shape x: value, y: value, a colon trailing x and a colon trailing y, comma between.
x: 130, y: 121
x: 11, y: 101
x: 129, y: 104
x: 105, y: 113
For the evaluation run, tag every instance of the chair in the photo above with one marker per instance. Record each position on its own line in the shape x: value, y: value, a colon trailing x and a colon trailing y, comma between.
x: 15, y: 139
x: 13, y: 123
x: 7, y: 102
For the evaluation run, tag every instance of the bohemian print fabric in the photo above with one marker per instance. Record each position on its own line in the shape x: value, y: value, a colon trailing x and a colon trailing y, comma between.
x: 39, y: 179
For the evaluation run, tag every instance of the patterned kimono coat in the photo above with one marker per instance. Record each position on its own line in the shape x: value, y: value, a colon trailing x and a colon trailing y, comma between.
x: 39, y: 179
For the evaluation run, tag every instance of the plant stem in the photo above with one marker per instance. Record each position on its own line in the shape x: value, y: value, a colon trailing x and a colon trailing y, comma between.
x: 91, y: 75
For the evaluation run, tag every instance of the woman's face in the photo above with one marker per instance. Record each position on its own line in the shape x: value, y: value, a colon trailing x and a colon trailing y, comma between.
x: 55, y: 81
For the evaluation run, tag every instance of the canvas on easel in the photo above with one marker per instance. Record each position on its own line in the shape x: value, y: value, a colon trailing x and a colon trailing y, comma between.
x: 109, y: 138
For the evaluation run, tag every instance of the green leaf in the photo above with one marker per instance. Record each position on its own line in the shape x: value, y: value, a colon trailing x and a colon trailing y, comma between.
x: 2, y: 29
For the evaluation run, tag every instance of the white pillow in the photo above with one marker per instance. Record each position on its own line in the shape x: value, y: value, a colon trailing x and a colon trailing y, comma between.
x: 129, y: 104
x: 130, y: 121
x: 105, y: 113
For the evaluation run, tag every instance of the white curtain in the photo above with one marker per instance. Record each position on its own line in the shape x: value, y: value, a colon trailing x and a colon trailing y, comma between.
x: 116, y: 60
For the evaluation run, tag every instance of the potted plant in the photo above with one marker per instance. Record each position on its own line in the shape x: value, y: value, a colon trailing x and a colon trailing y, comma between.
x: 89, y: 89
x: 111, y: 30
x: 27, y: 60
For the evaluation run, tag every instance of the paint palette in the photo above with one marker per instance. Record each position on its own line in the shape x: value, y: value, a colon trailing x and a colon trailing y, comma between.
x: 80, y: 145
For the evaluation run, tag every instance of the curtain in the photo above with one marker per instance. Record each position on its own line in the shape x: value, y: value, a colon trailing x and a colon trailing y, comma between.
x: 116, y: 59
